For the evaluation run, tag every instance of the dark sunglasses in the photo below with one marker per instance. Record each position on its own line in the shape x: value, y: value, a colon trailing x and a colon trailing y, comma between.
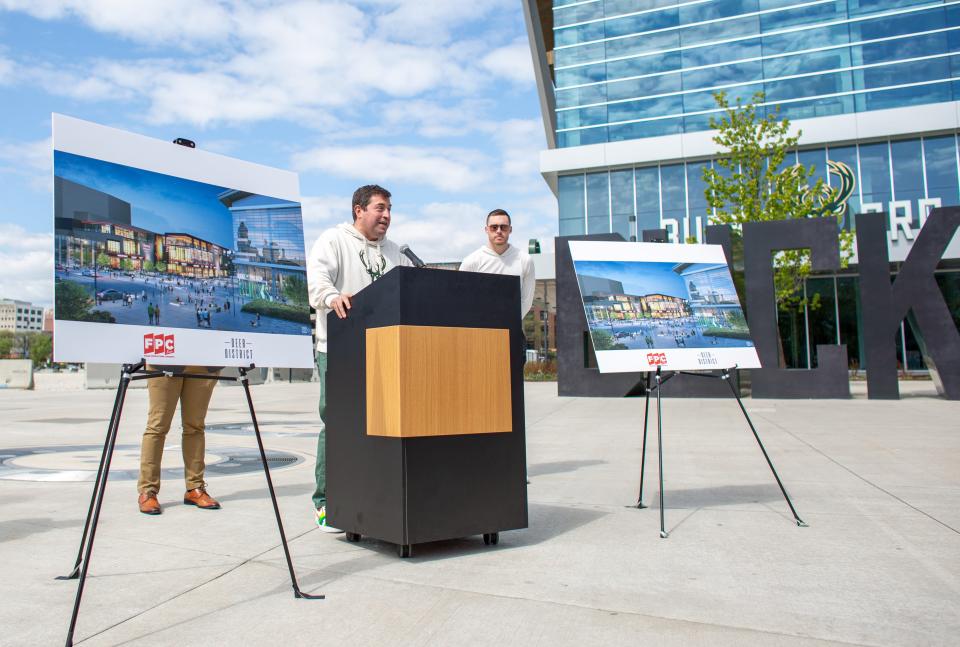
x: 499, y: 227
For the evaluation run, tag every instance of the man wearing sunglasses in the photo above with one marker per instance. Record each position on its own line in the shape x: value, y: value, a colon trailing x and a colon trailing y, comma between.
x: 498, y: 256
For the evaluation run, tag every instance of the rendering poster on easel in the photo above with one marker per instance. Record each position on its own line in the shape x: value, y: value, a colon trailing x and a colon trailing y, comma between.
x: 174, y: 254
x: 656, y: 305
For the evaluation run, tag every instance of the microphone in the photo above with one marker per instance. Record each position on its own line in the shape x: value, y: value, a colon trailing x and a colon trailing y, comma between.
x: 406, y: 251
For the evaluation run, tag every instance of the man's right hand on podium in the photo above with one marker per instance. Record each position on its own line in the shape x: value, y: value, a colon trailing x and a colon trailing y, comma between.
x: 341, y: 304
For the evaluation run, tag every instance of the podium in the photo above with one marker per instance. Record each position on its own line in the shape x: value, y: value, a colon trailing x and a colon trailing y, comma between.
x: 425, y: 418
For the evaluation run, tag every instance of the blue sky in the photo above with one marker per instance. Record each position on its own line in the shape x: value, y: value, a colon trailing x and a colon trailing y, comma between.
x: 433, y: 99
x: 159, y: 203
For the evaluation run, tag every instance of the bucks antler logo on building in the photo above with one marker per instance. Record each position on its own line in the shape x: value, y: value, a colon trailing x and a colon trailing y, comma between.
x: 833, y: 199
x: 375, y: 269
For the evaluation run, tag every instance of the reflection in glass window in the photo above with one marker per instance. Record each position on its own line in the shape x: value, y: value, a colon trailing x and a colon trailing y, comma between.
x: 648, y: 198
x: 712, y: 54
x: 598, y: 203
x: 831, y: 59
x: 818, y: 160
x: 653, y: 128
x: 621, y: 200
x: 805, y: 39
x: 746, y: 26
x: 875, y: 173
x: 908, y: 174
x: 899, y: 97
x: 571, y: 204
x: 697, y: 198
x: 940, y: 155
x: 674, y: 192
x: 633, y: 88
x: 725, y: 74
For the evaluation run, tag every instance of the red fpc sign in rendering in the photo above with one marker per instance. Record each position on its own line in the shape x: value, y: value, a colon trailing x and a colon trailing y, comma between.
x: 158, y: 345
x: 656, y: 359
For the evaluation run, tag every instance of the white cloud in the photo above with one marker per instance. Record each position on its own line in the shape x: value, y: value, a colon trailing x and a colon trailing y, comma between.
x: 447, y: 169
x: 441, y: 231
x: 513, y: 62
x: 298, y: 61
x: 32, y: 161
x: 7, y: 70
x: 321, y: 212
x: 151, y: 21
x: 27, y: 261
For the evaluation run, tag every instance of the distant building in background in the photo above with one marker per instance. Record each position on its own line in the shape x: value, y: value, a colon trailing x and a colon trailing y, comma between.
x: 268, y: 239
x: 48, y: 320
x: 20, y: 316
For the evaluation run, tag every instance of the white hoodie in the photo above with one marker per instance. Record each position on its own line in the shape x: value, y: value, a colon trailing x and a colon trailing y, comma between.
x: 511, y: 261
x: 343, y: 260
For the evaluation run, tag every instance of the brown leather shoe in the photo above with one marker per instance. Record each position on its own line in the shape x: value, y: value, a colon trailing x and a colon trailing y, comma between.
x: 148, y: 503
x: 201, y: 499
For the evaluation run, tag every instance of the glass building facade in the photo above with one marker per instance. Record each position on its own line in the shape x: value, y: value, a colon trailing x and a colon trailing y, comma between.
x: 627, y: 69
x: 904, y: 178
x: 627, y: 92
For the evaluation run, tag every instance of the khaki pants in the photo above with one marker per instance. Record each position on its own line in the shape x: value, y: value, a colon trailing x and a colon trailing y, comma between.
x: 194, y: 396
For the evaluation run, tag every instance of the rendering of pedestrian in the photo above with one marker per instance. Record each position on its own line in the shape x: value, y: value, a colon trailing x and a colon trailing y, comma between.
x: 150, y: 313
x: 156, y: 315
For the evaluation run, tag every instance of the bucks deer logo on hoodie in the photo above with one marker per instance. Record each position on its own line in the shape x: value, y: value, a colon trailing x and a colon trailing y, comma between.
x: 374, y: 269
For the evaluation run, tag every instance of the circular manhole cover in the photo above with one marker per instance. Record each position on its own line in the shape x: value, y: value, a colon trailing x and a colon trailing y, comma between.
x: 80, y: 462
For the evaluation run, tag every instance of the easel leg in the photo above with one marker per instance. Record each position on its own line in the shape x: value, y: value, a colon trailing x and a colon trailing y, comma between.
x: 297, y: 593
x: 726, y: 377
x: 114, y: 416
x: 663, y: 531
x: 643, y: 452
x: 99, y: 492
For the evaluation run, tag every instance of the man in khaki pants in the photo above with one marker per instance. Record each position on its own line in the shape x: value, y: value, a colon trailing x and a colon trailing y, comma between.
x: 194, y: 396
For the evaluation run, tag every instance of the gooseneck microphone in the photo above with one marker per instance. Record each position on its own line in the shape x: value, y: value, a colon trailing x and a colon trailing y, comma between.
x: 406, y: 251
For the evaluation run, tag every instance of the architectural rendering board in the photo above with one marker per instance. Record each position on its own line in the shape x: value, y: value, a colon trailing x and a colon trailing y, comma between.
x: 174, y: 254
x: 651, y: 305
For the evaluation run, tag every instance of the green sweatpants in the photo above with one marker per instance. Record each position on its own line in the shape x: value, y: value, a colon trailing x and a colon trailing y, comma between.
x: 320, y: 471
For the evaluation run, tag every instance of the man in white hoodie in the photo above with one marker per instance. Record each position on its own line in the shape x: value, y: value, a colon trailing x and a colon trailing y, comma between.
x: 498, y: 256
x: 343, y: 261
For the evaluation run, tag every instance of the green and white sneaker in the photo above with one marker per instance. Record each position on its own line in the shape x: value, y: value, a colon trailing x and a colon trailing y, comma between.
x: 321, y: 513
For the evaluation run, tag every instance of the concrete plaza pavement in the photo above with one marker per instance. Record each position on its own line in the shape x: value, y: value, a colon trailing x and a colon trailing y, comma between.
x: 877, y: 481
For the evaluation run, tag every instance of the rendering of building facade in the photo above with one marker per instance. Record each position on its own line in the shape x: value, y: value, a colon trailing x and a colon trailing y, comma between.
x: 268, y: 239
x: 626, y: 91
x: 90, y: 225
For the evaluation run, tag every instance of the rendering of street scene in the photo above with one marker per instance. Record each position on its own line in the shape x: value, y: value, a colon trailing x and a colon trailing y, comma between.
x: 142, y: 248
x: 640, y: 305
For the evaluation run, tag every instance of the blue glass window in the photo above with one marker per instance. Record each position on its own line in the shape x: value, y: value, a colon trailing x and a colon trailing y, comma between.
x: 897, y: 25
x: 697, y: 199
x: 940, y: 156
x: 818, y: 160
x: 806, y: 39
x: 571, y: 204
x: 621, y: 200
x: 907, y: 160
x: 822, y: 107
x: 648, y: 198
x: 645, y: 43
x: 864, y: 7
x: 639, y: 129
x: 577, y: 13
x: 831, y: 59
x: 579, y: 75
x: 659, y: 107
x: 714, y: 10
x: 897, y: 73
x: 808, y: 86
x: 642, y: 22
x: 899, y: 97
x: 580, y: 96
x: 661, y: 84
x: 582, y: 54
x: 725, y: 74
x: 652, y: 64
x: 746, y: 26
x: 598, y: 203
x: 893, y: 50
x: 798, y: 16
x: 712, y: 54
x: 875, y: 173
x: 674, y: 192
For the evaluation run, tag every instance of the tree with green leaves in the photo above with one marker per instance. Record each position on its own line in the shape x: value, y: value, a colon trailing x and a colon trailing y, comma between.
x: 73, y: 303
x: 147, y: 266
x: 295, y: 289
x: 103, y: 260
x: 753, y: 181
x: 6, y: 342
x: 41, y: 346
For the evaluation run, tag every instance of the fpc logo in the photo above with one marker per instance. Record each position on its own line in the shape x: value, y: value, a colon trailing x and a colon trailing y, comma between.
x: 657, y: 359
x: 158, y: 345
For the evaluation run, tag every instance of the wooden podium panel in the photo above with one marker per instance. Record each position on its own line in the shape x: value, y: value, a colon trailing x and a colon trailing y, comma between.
x: 438, y: 381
